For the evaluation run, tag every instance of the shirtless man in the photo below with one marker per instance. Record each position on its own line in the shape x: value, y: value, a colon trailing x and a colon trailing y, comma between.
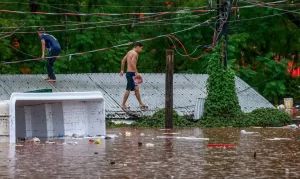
x: 131, y: 58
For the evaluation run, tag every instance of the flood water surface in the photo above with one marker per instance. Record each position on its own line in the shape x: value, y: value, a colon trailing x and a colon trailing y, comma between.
x: 152, y: 153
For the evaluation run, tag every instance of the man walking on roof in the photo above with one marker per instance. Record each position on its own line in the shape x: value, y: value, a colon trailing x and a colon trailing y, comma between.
x: 131, y: 58
x: 53, y: 47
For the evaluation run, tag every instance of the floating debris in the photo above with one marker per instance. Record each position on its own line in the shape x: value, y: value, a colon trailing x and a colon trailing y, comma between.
x: 35, y: 139
x: 188, y: 138
x: 128, y: 134
x: 276, y: 138
x: 245, y: 132
x: 149, y: 145
x: 123, y: 165
x: 112, y: 136
x: 22, y: 139
x: 98, y: 142
x: 48, y: 142
x: 142, y: 134
x: 221, y: 145
x: 70, y: 143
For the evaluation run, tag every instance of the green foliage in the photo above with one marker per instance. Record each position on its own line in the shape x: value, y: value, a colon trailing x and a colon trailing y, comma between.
x: 259, y: 117
x: 158, y: 120
x: 259, y: 39
x: 263, y: 117
x: 221, y: 101
x: 293, y: 87
x: 268, y: 118
x: 111, y: 124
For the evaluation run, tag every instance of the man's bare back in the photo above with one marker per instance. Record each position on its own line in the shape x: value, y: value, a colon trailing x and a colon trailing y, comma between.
x: 131, y: 58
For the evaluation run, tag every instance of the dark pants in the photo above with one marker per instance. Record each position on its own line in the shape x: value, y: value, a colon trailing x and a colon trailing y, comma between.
x: 50, y: 62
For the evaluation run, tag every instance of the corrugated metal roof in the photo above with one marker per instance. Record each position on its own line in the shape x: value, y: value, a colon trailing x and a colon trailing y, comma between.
x: 249, y: 99
x: 187, y: 89
x: 23, y: 83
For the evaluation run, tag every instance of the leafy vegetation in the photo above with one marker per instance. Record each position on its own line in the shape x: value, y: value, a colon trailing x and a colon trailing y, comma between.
x: 158, y: 120
x: 260, y: 117
x: 221, y: 101
x: 258, y: 38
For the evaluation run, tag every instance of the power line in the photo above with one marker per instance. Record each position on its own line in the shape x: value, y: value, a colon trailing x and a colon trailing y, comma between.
x: 117, y: 46
x: 106, y: 14
x: 101, y: 5
x: 269, y: 6
x: 88, y: 28
x: 87, y: 23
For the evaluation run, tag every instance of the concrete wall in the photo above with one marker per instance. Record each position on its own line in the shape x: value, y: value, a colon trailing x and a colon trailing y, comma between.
x: 47, y: 115
x: 4, y: 121
x: 52, y: 119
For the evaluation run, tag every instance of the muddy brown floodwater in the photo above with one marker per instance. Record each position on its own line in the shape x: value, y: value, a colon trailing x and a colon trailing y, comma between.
x: 160, y: 155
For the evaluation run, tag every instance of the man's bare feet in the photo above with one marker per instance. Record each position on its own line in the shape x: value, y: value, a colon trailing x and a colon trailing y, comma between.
x: 143, y: 106
x: 124, y: 107
x: 51, y: 80
x: 47, y: 78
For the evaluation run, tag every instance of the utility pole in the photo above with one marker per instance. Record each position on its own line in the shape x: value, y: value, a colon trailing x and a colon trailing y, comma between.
x: 169, y: 88
x: 223, y: 13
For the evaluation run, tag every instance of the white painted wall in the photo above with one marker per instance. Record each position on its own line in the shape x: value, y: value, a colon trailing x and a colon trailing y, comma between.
x: 50, y: 114
x: 4, y: 121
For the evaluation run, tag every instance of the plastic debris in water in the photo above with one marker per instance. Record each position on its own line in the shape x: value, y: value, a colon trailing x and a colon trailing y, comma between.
x: 70, y: 143
x: 149, y: 145
x: 22, y: 138
x: 140, y: 143
x: 48, y: 142
x: 221, y: 145
x: 128, y: 134
x: 98, y: 142
x: 91, y: 141
x: 35, y: 139
x: 245, y: 132
x: 111, y: 136
x: 276, y: 138
x: 170, y: 133
x: 123, y: 165
x: 293, y: 125
x: 142, y: 134
x: 187, y: 138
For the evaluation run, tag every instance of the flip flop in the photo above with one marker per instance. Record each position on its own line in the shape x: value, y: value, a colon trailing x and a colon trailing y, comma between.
x: 51, y: 80
x: 143, y: 106
x: 124, y: 108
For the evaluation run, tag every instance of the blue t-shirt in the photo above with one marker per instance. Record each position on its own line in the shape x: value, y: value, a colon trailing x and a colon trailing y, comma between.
x: 50, y: 41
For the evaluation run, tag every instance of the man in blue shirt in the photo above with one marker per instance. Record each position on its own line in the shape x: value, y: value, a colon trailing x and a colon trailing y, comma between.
x: 52, y: 45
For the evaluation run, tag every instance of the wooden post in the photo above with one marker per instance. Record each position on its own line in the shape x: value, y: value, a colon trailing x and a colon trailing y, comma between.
x: 169, y: 88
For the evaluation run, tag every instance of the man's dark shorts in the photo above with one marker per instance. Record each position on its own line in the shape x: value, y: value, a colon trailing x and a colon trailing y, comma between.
x: 130, y: 83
